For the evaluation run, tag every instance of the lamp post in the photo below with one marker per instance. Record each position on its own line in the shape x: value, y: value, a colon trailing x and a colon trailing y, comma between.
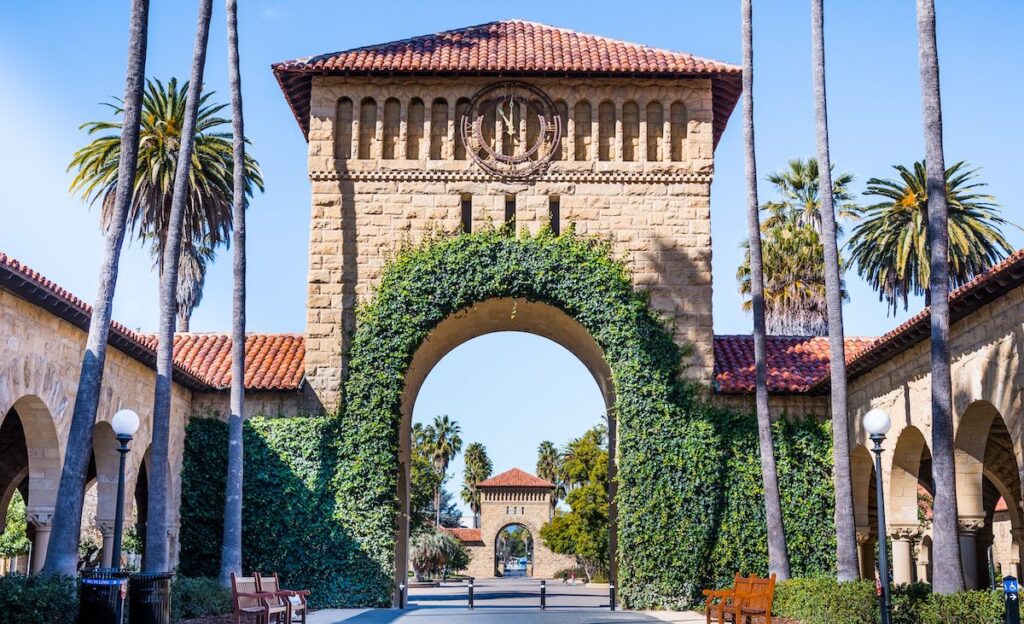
x: 125, y: 423
x: 876, y: 423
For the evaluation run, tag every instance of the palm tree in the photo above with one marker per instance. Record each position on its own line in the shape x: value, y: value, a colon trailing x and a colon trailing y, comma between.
x: 549, y: 467
x: 947, y: 573
x: 478, y: 467
x: 62, y: 555
x: 798, y: 186
x: 778, y: 557
x: 207, y: 220
x: 795, y: 296
x: 157, y: 559
x: 444, y: 443
x: 846, y: 531
x: 890, y: 245
x: 231, y: 546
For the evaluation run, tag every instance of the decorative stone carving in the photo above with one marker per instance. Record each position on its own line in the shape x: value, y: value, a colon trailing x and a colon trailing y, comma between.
x: 905, y: 533
x: 106, y: 527
x: 863, y: 537
x: 969, y: 527
x: 40, y: 519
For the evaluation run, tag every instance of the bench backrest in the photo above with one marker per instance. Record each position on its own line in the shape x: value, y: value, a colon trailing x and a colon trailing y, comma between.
x: 757, y: 592
x: 268, y: 583
x: 244, y: 585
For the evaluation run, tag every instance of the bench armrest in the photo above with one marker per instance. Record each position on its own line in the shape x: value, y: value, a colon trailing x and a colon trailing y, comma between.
x: 257, y: 595
x: 719, y: 593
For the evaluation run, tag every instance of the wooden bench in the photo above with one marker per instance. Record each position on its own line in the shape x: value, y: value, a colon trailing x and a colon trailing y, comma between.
x: 296, y: 599
x: 750, y: 597
x: 248, y: 600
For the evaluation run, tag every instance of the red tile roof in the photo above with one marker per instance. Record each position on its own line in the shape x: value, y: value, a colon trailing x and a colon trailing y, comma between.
x: 516, y: 478
x: 795, y: 363
x: 981, y: 290
x: 464, y: 535
x: 509, y: 48
x: 201, y: 361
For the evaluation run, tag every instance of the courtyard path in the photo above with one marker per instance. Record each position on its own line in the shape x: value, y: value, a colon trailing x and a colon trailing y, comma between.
x: 503, y: 601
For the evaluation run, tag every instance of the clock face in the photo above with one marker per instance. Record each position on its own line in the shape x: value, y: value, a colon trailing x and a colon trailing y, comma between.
x: 511, y: 129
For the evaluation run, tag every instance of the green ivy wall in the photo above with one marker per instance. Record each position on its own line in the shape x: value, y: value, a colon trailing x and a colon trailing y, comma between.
x: 320, y: 492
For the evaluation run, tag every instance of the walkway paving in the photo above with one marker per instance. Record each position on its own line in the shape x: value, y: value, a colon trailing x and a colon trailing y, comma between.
x: 503, y: 601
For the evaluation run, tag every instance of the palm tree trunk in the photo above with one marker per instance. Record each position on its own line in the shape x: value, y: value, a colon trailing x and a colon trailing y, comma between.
x: 778, y: 556
x: 231, y: 548
x: 846, y: 531
x: 183, y: 324
x: 157, y: 552
x: 62, y: 555
x: 437, y: 507
x: 947, y: 572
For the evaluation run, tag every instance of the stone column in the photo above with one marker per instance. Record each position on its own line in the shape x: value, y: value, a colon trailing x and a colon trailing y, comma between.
x: 902, y: 554
x: 106, y: 528
x: 42, y: 521
x: 924, y: 560
x: 865, y: 553
x: 1013, y: 559
x: 969, y: 528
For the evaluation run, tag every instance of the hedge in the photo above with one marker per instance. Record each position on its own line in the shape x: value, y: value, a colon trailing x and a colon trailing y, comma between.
x: 690, y: 508
x: 38, y: 600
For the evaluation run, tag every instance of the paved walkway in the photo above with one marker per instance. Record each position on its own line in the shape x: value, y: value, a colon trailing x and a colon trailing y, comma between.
x: 503, y: 601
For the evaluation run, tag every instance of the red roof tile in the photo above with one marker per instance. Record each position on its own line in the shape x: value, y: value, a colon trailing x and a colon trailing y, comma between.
x: 508, y: 48
x: 464, y: 535
x: 201, y: 361
x: 795, y: 363
x: 516, y: 478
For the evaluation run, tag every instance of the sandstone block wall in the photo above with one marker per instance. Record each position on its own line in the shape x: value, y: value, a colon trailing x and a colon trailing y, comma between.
x: 654, y: 210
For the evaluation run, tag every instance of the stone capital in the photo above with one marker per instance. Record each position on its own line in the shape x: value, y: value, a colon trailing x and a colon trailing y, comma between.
x: 905, y: 532
x: 969, y: 527
x: 106, y: 527
x: 863, y: 537
x: 41, y: 519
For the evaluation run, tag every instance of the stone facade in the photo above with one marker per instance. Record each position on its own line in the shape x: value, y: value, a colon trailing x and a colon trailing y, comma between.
x: 635, y: 168
x: 529, y: 507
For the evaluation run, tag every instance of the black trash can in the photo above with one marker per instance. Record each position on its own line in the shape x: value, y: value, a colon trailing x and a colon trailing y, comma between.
x: 149, y: 598
x: 101, y: 595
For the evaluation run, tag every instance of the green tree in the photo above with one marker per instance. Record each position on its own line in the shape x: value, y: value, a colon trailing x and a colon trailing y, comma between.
x: 443, y: 441
x: 890, y: 244
x: 778, y: 556
x: 423, y: 482
x: 431, y: 551
x: 14, y: 539
x: 62, y: 553
x: 478, y: 467
x: 549, y: 462
x: 585, y: 459
x: 800, y: 197
x: 846, y: 537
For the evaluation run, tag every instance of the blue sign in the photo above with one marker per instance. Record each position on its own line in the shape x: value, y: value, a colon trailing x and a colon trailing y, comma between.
x: 1010, y: 585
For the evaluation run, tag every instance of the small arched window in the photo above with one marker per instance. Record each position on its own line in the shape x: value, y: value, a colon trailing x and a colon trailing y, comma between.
x: 438, y: 127
x: 343, y: 129
x: 392, y: 126
x: 655, y: 132
x: 630, y: 131
x: 605, y: 130
x: 562, y: 153
x: 461, y: 106
x: 414, y: 129
x: 677, y: 115
x: 583, y: 118
x: 367, y: 126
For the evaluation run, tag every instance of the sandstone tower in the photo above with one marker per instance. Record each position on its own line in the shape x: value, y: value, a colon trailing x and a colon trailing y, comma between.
x: 389, y: 161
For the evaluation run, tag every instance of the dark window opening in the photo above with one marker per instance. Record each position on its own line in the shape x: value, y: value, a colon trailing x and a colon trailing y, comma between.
x: 555, y: 213
x: 510, y: 212
x: 467, y: 214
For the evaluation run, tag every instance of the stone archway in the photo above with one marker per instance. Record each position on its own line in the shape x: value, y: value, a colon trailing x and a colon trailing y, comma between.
x: 498, y: 315
x: 505, y: 554
x: 909, y: 476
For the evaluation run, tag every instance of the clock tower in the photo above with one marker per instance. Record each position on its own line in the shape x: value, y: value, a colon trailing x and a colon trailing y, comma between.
x: 511, y: 122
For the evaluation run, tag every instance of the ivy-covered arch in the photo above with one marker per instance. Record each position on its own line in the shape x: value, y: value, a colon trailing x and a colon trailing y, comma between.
x: 427, y: 283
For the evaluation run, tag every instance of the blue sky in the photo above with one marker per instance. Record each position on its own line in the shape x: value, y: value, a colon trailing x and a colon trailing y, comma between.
x: 59, y: 59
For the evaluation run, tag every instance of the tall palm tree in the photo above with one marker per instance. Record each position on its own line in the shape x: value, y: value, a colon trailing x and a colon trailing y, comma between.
x: 231, y: 545
x: 207, y: 221
x: 778, y: 556
x: 890, y: 245
x: 549, y: 467
x: 846, y: 531
x: 62, y: 555
x: 947, y: 575
x: 478, y: 467
x: 157, y: 559
x: 444, y: 442
x: 801, y: 198
x: 795, y: 296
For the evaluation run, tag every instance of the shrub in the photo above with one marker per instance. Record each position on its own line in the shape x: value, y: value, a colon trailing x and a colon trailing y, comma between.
x: 198, y: 597
x: 38, y: 600
x: 825, y: 601
x: 906, y: 602
x: 970, y: 607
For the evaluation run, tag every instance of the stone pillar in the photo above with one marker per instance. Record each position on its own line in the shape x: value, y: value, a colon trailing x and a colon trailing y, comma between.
x: 865, y: 553
x: 902, y: 554
x: 1013, y: 559
x: 42, y: 521
x: 106, y: 528
x: 924, y: 560
x: 969, y: 528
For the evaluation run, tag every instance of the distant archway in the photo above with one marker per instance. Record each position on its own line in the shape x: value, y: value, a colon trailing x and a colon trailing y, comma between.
x: 513, y: 551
